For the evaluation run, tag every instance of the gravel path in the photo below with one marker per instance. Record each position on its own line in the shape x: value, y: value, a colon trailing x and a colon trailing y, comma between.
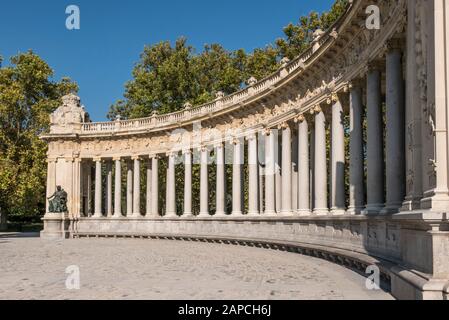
x: 31, y: 268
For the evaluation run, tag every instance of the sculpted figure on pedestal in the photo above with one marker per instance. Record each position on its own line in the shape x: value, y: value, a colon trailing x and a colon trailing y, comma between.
x: 58, y: 201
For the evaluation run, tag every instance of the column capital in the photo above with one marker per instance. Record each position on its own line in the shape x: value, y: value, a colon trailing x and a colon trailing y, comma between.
x: 374, y: 65
x: 284, y: 125
x: 218, y: 145
x: 332, y: 98
x: 136, y: 158
x: 171, y: 154
x: 266, y: 131
x: 316, y: 109
x: 355, y: 83
x: 299, y: 119
x: 187, y: 151
x: 97, y: 159
x: 251, y: 137
x: 117, y: 159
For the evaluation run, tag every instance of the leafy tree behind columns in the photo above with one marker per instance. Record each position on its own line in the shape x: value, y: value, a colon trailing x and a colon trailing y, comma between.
x: 27, y: 97
x: 298, y: 36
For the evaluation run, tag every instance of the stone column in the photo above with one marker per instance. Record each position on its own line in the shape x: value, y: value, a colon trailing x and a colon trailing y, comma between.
x: 320, y: 167
x: 171, y: 187
x: 51, y: 181
x: 286, y: 202
x: 395, y: 133
x: 187, y: 183
x: 98, y: 191
x: 270, y: 206
x: 136, y: 188
x: 237, y: 178
x: 129, y: 188
x: 118, y: 188
x: 221, y: 181
x: 155, y: 187
x: 204, y: 183
x: 374, y: 144
x: 149, y: 187
x: 277, y: 172
x: 338, y: 159
x: 109, y: 189
x: 304, y: 167
x: 356, y: 167
x: 253, y: 184
x: 88, y: 203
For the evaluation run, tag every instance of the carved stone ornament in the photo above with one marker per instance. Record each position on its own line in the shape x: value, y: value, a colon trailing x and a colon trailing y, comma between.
x: 69, y: 116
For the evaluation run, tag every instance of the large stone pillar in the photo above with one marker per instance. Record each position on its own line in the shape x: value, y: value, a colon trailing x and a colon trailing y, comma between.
x: 155, y: 187
x: 136, y: 188
x: 304, y: 167
x: 337, y: 158
x: 187, y: 183
x: 87, y: 188
x: 109, y: 189
x: 277, y: 171
x: 286, y: 197
x: 356, y: 167
x: 98, y: 191
x: 237, y: 205
x: 204, y: 183
x: 320, y: 167
x: 374, y: 144
x: 270, y: 205
x: 253, y: 183
x: 149, y: 187
x: 395, y: 135
x: 220, y: 193
x: 118, y: 188
x: 129, y: 188
x: 171, y: 188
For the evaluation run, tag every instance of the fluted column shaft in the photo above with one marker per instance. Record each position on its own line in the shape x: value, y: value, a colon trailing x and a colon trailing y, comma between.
x: 237, y: 179
x: 98, y: 190
x: 375, y: 161
x: 356, y: 170
x: 395, y: 136
x: 187, y: 183
x: 221, y: 181
x: 136, y: 188
x: 129, y: 188
x: 109, y: 189
x: 320, y: 167
x: 171, y: 188
x: 286, y: 202
x: 270, y: 206
x: 155, y: 187
x: 253, y: 183
x: 118, y: 189
x: 204, y: 183
x: 338, y: 160
x: 304, y: 168
x: 149, y: 187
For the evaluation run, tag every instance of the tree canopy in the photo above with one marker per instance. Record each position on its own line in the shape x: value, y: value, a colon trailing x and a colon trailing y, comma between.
x: 27, y: 97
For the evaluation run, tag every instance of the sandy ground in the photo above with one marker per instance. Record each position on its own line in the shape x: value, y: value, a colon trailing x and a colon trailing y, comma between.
x: 31, y: 268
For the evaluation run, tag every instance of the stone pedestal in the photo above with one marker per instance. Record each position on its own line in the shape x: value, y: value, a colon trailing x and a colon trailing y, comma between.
x: 56, y: 226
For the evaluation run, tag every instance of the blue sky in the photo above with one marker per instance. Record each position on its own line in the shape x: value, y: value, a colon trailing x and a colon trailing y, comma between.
x: 100, y: 56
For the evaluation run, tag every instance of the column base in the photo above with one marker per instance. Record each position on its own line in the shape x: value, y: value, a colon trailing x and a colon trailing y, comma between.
x: 354, y: 210
x: 220, y: 214
x: 304, y: 212
x: 321, y: 212
x: 171, y: 215
x: 337, y: 212
x: 203, y: 215
x: 391, y: 209
x: 98, y: 215
x: 286, y: 213
x: 187, y: 215
x: 117, y: 216
x: 254, y: 213
x: 270, y: 213
x: 236, y: 213
x: 373, y: 209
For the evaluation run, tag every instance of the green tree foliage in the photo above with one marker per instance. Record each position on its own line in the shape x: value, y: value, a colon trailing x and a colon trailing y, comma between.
x: 27, y: 97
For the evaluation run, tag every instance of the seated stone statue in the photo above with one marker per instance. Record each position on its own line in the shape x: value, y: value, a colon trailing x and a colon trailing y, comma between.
x: 58, y: 201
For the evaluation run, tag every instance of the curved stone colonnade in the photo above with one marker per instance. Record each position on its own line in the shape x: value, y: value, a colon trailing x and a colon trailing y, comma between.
x: 395, y: 216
